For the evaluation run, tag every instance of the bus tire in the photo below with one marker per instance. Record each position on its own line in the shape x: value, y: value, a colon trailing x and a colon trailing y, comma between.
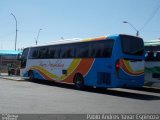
x: 31, y: 75
x: 79, y: 81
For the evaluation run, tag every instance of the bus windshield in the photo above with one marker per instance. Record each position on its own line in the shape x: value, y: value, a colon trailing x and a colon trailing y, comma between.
x: 132, y: 45
x: 24, y: 57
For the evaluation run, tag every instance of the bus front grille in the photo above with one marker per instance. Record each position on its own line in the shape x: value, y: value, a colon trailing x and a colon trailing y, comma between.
x: 103, y: 78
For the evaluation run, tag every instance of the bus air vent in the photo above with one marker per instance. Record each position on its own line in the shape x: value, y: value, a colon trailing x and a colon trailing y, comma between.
x: 103, y: 78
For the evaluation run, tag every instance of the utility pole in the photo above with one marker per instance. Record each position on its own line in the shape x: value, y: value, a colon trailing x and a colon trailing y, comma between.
x: 16, y: 30
x: 38, y: 36
x: 137, y: 31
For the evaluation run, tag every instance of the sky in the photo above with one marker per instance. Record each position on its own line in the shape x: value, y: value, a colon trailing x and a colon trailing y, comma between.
x: 56, y: 19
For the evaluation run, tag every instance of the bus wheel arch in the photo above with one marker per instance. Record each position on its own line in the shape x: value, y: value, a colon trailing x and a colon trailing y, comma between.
x: 78, y: 81
x: 31, y: 75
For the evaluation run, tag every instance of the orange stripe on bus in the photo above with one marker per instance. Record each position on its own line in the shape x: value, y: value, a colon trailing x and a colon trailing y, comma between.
x: 82, y: 68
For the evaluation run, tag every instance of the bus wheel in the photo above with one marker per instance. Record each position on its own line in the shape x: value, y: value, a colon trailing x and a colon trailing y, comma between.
x: 31, y: 75
x: 78, y: 81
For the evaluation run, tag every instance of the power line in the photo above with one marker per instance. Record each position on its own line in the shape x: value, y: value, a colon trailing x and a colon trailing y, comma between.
x: 151, y: 17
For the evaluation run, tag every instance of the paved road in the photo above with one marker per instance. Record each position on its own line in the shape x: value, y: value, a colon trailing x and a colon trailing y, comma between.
x: 31, y: 97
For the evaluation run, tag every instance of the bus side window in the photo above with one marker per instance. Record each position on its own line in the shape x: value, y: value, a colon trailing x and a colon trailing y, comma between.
x: 63, y: 52
x: 51, y: 52
x: 57, y: 52
x: 150, y: 56
x: 146, y: 54
x: 158, y: 56
x: 107, y: 48
x: 70, y: 51
x: 94, y: 49
x: 33, y: 53
x: 47, y: 53
x: 67, y: 51
x: 42, y: 53
x: 101, y: 48
x: 82, y: 50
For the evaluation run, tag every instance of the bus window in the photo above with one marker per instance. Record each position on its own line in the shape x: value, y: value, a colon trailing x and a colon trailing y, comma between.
x: 42, y: 53
x: 101, y: 49
x: 95, y: 49
x: 158, y: 56
x: 33, y: 53
x: 82, y: 50
x: 51, y: 52
x: 107, y: 48
x: 150, y: 56
x: 67, y: 51
x: 57, y: 52
x: 132, y: 45
x: 70, y: 52
x: 146, y: 55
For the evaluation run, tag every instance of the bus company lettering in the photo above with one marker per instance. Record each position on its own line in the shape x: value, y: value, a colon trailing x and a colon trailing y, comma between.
x: 58, y: 63
x: 48, y: 64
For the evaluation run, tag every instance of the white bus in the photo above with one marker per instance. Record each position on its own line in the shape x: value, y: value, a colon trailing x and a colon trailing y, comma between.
x: 152, y: 63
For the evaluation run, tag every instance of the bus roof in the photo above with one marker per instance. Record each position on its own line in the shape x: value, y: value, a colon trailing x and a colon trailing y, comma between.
x: 76, y: 40
x: 73, y: 40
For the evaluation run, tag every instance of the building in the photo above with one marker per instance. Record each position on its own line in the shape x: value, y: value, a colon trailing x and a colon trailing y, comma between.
x: 9, y: 58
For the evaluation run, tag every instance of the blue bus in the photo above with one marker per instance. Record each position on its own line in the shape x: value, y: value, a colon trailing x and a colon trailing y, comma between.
x: 104, y: 62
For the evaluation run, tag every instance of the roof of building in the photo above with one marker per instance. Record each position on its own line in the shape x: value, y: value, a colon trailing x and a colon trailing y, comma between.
x: 152, y: 42
x: 9, y: 52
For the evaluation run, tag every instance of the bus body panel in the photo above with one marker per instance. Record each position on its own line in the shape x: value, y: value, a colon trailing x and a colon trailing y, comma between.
x: 59, y: 70
x: 100, y: 74
x: 131, y: 69
x: 130, y: 76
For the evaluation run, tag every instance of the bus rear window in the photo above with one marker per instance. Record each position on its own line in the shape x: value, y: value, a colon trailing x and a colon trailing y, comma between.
x: 132, y: 45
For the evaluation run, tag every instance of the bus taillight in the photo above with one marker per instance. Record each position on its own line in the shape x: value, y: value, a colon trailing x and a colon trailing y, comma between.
x: 117, y: 66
